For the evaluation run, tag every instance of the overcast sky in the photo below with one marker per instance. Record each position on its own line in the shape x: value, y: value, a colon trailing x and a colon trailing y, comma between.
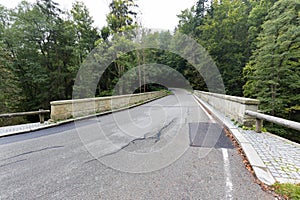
x: 160, y: 14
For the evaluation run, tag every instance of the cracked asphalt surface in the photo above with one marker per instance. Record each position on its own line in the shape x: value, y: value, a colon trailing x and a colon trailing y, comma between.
x: 140, y: 153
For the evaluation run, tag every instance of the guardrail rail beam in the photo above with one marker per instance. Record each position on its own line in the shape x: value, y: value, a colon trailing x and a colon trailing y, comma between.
x: 41, y: 114
x: 280, y: 121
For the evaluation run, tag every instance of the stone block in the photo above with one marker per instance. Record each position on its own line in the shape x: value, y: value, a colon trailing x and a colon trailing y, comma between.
x: 61, y: 110
x: 231, y: 106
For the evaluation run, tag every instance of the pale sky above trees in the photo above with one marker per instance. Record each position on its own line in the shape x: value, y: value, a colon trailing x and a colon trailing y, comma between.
x: 160, y: 14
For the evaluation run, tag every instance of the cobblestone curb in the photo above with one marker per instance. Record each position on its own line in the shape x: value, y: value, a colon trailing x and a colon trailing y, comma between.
x: 280, y: 155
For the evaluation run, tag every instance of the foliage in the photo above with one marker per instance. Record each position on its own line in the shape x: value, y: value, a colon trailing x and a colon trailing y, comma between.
x: 256, y: 18
x: 44, y: 47
x: 255, y: 45
x: 221, y: 29
x: 117, y: 39
x: 122, y: 16
x: 223, y: 35
x: 273, y: 74
x: 288, y: 190
x: 86, y: 35
x: 187, y: 21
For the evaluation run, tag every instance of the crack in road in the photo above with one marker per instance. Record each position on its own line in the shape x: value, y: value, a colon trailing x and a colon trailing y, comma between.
x: 4, y: 165
x: 158, y: 135
x: 30, y: 152
x: 156, y: 138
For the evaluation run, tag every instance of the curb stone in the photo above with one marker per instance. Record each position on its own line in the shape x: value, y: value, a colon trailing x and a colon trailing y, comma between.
x: 260, y: 169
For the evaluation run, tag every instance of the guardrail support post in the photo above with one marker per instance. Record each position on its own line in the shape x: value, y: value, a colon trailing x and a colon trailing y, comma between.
x: 258, y: 126
x: 41, y: 116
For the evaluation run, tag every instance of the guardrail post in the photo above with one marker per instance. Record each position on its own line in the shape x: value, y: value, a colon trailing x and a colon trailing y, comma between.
x: 258, y: 125
x: 41, y: 116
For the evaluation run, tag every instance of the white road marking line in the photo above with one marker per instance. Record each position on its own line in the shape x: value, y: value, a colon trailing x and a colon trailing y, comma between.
x: 208, y: 115
x: 229, y: 186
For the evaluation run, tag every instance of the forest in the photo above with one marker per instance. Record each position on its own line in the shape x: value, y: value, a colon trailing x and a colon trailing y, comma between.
x: 255, y: 44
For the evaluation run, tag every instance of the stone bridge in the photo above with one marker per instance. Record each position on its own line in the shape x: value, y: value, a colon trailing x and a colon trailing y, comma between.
x: 184, y: 145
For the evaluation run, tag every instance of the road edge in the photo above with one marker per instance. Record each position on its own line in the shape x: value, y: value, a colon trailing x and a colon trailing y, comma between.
x: 260, y: 169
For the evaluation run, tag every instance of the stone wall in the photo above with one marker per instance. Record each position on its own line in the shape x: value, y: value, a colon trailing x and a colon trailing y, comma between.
x: 233, y: 107
x: 66, y: 109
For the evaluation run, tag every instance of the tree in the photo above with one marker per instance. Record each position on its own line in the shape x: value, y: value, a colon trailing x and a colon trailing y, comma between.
x: 201, y: 9
x: 122, y: 17
x: 86, y: 34
x: 187, y: 22
x: 273, y: 73
x: 256, y: 18
x: 191, y: 19
x: 224, y: 35
x: 222, y: 29
x: 9, y: 94
x: 117, y: 38
x: 46, y: 46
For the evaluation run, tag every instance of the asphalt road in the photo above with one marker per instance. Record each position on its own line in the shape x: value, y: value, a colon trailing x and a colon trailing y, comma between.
x: 140, y: 153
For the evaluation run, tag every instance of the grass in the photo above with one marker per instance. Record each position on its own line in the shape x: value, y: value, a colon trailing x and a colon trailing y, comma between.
x: 245, y: 128
x: 288, y: 190
x: 263, y: 129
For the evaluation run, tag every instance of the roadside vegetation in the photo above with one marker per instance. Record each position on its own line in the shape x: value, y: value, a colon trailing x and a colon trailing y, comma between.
x: 288, y: 191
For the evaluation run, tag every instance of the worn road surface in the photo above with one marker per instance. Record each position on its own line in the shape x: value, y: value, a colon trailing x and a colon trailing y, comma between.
x: 140, y: 153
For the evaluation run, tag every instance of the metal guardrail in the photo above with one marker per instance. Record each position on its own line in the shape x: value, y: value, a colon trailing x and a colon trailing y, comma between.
x: 260, y: 117
x: 41, y: 114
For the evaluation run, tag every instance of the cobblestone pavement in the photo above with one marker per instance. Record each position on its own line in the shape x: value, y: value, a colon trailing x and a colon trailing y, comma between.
x: 281, y: 156
x: 7, y: 130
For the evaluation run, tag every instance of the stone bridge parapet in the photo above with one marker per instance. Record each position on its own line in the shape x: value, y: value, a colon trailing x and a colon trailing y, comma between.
x: 231, y: 106
x: 66, y: 109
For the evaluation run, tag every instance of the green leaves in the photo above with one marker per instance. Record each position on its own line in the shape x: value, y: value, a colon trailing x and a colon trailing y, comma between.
x: 223, y: 34
x: 274, y: 76
x: 122, y: 16
x: 45, y: 47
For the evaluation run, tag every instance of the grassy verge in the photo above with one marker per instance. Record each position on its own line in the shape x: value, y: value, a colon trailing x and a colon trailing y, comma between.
x: 288, y: 191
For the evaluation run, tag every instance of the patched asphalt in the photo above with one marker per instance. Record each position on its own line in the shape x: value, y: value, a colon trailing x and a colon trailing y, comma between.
x: 76, y: 162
